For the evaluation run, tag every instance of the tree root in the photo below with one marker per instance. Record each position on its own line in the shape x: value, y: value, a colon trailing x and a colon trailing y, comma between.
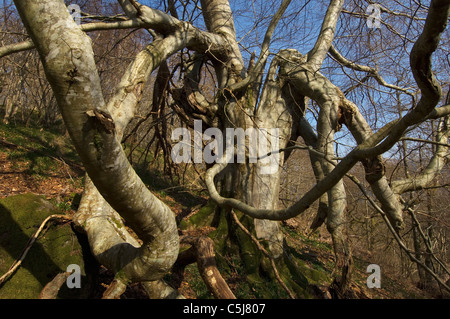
x: 50, y: 291
x: 265, y: 252
x: 115, y: 289
x: 202, y: 251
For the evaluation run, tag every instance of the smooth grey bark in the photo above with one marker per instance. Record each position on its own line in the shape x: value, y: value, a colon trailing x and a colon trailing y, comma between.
x: 302, y: 83
x: 334, y: 110
x: 102, y: 224
x: 324, y: 41
x: 76, y: 85
x: 273, y: 112
x: 255, y: 188
x: 219, y: 20
x: 308, y: 82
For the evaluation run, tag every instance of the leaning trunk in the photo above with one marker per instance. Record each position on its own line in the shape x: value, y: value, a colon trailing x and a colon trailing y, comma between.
x: 96, y: 136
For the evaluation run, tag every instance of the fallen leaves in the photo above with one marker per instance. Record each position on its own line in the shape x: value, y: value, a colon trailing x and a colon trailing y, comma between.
x: 16, y: 179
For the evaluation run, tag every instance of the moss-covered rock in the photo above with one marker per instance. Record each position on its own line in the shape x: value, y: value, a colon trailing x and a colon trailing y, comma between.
x: 56, y: 248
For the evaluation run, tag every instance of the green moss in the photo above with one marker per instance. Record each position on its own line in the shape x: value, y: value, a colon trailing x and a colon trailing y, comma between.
x: 196, y: 282
x: 239, y: 259
x: 250, y: 254
x: 56, y: 249
x: 98, y: 144
x: 250, y: 97
x: 203, y: 217
x: 220, y: 235
x: 117, y: 222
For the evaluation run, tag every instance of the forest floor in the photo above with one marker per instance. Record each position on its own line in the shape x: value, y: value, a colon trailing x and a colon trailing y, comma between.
x: 43, y: 162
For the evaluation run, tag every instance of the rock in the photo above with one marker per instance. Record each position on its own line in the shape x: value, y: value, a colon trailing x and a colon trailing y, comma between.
x: 55, y: 249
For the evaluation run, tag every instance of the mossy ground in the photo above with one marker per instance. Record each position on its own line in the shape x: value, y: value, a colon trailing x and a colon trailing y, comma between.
x: 44, y: 162
x: 56, y: 249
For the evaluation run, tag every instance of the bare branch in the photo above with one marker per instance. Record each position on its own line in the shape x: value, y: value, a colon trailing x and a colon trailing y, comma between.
x: 150, y: 19
x: 396, y: 235
x: 258, y: 67
x: 372, y: 71
x: 88, y: 27
x: 318, y: 53
x: 420, y: 62
x: 50, y: 290
x: 204, y: 250
x: 434, y: 167
x: 76, y: 85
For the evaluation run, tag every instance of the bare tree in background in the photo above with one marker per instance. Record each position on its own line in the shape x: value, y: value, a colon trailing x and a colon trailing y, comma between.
x: 278, y: 87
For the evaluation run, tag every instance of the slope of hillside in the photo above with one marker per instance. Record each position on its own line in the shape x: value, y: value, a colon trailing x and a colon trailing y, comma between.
x: 44, y: 162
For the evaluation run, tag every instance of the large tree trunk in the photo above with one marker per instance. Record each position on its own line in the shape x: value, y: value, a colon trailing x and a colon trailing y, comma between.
x: 277, y: 109
x: 76, y: 85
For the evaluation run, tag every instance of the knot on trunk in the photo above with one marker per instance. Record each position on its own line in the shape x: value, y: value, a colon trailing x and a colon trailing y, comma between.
x: 344, y: 116
x: 374, y: 169
x: 103, y: 121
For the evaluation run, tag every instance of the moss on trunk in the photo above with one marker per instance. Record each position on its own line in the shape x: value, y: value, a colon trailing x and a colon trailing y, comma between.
x: 237, y: 254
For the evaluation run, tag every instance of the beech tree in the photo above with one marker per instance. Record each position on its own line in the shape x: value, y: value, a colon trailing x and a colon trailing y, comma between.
x: 277, y: 86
